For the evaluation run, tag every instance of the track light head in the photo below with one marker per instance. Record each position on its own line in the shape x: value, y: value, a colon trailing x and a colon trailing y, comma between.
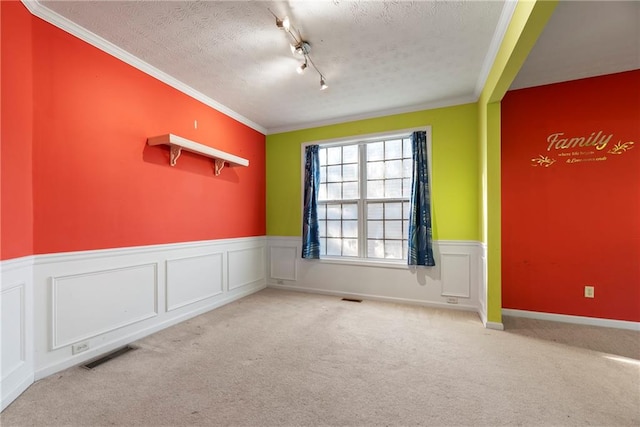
x: 323, y: 83
x: 302, y: 67
x: 286, y: 23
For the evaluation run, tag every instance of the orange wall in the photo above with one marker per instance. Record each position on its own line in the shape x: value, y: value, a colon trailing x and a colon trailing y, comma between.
x: 96, y: 184
x: 575, y: 222
x: 16, y: 212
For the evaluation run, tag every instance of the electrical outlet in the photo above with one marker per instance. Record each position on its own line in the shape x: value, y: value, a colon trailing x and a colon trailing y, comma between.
x: 589, y: 292
x: 80, y: 347
x: 280, y: 282
x: 452, y: 300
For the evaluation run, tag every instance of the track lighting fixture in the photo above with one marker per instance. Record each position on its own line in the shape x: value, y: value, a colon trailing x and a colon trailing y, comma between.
x: 299, y: 47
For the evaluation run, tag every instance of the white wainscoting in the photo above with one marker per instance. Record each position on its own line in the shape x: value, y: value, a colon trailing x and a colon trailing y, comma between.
x: 452, y: 283
x: 16, y: 317
x: 87, y: 305
x: 246, y: 267
x: 101, y: 300
x: 194, y: 279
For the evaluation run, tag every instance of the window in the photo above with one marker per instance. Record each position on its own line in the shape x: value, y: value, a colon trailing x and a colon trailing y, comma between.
x: 364, y: 198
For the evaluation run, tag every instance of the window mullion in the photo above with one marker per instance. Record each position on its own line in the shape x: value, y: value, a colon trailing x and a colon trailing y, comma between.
x: 362, y: 207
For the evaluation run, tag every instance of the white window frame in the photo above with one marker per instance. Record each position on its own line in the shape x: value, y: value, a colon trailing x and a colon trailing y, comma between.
x: 373, y: 137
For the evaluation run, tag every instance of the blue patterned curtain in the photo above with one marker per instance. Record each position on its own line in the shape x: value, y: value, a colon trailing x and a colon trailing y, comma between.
x: 420, y: 250
x: 310, y: 235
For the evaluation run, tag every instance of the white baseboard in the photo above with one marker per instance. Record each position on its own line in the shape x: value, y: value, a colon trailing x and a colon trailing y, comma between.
x: 8, y: 396
x: 579, y: 320
x: 493, y: 325
x: 341, y: 294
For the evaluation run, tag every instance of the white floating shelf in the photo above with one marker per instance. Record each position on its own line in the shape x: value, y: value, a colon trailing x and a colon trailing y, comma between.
x: 178, y: 143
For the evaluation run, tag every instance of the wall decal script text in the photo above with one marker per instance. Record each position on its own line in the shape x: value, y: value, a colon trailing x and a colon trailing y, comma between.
x: 598, y: 141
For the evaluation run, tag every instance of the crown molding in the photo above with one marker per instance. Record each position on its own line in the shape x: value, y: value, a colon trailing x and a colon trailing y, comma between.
x: 87, y: 36
x: 442, y: 103
x: 501, y: 29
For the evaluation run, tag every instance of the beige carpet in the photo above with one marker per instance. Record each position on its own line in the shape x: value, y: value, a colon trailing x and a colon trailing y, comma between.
x: 290, y: 359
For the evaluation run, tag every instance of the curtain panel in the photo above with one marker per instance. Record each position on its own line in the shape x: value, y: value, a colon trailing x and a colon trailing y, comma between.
x: 420, y: 240
x: 310, y: 229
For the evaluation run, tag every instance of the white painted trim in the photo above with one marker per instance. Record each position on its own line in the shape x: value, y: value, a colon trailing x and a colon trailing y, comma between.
x: 21, y: 288
x: 462, y: 307
x: 579, y: 320
x: 442, y: 103
x: 12, y: 395
x: 501, y: 29
x: 16, y: 263
x: 139, y: 250
x: 494, y: 325
x: 167, y: 265
x: 16, y: 277
x: 55, y: 341
x: 83, y: 34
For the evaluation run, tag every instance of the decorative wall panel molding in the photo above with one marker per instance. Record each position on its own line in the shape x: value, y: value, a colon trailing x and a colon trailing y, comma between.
x: 12, y: 306
x: 94, y: 303
x: 194, y: 279
x: 456, y: 275
x: 282, y: 262
x: 16, y: 328
x: 246, y: 266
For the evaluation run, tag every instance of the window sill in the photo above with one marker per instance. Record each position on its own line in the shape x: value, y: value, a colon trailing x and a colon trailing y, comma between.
x: 362, y: 262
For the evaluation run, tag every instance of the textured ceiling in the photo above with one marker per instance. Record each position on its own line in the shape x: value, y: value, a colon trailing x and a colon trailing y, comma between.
x: 378, y: 57
x: 584, y: 39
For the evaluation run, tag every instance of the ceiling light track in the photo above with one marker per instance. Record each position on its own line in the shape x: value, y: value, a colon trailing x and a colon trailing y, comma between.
x: 299, y: 47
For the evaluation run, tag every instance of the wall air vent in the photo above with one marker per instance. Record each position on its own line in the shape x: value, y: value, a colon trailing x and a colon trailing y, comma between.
x: 103, y: 359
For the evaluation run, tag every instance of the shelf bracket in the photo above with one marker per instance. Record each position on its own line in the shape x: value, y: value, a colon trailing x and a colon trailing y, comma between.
x: 219, y: 165
x: 175, y: 153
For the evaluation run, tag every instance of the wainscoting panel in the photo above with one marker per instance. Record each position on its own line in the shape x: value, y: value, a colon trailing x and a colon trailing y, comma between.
x: 456, y: 275
x: 246, y: 266
x: 13, y: 329
x: 91, y: 304
x: 16, y: 328
x: 193, y: 279
x: 453, y: 275
x: 282, y: 263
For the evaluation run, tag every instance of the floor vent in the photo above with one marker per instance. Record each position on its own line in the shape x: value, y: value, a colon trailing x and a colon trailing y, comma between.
x: 108, y: 356
x: 351, y: 299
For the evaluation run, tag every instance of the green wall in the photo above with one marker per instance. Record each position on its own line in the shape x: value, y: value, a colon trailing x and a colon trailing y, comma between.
x: 528, y: 20
x: 455, y: 191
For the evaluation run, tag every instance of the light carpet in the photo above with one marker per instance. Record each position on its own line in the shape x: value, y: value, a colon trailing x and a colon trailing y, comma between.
x: 280, y: 358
